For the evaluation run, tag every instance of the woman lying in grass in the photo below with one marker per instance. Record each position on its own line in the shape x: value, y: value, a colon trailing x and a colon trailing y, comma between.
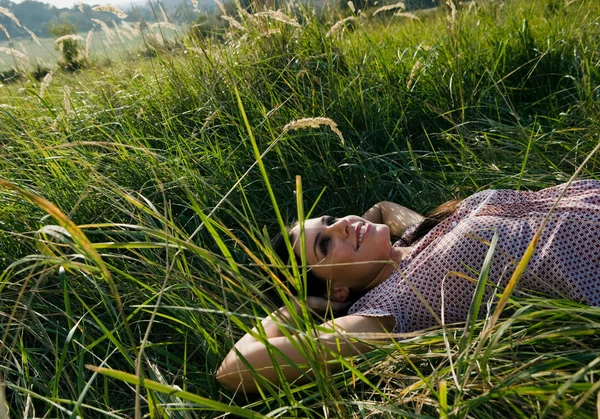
x: 428, y: 276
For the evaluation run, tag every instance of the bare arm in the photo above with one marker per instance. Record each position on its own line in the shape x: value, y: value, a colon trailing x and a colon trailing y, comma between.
x: 395, y: 216
x: 288, y: 351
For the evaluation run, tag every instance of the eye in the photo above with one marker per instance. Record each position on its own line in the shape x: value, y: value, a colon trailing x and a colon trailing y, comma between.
x: 324, y: 245
x: 329, y: 220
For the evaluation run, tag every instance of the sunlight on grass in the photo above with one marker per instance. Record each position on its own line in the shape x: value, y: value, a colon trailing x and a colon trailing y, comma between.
x: 139, y: 199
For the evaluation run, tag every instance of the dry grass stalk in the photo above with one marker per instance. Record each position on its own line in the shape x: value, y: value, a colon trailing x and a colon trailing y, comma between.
x: 70, y: 37
x: 209, y: 119
x: 133, y: 31
x: 14, y: 52
x: 165, y: 18
x: 167, y: 25
x: 111, y: 9
x: 278, y: 16
x: 117, y: 31
x: 398, y: 5
x: 80, y: 6
x: 33, y: 36
x: 314, y: 123
x: 221, y: 7
x: 195, y: 4
x: 123, y: 31
x: 8, y: 14
x: 452, y: 16
x: 408, y: 15
x: 67, y: 100
x: 105, y: 28
x: 45, y: 83
x: 233, y: 23
x: 413, y: 73
x: 22, y: 60
x: 3, y: 29
x: 88, y: 42
x: 339, y: 26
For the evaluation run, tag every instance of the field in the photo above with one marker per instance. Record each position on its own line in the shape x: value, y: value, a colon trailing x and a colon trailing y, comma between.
x: 138, y: 197
x: 120, y: 47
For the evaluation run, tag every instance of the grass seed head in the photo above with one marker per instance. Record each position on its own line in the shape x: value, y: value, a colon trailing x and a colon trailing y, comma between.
x: 221, y: 7
x: 408, y: 15
x: 67, y: 100
x: 165, y: 18
x: 70, y: 37
x: 3, y: 29
x: 105, y: 28
x: 111, y: 9
x: 88, y: 42
x: 45, y: 83
x: 413, y: 73
x: 351, y: 7
x: 233, y: 23
x: 165, y: 24
x: 22, y: 60
x: 8, y: 14
x: 453, y: 11
x: 118, y: 32
x: 314, y: 123
x: 33, y: 36
x: 278, y: 16
x: 398, y: 5
x: 338, y: 27
x: 133, y: 31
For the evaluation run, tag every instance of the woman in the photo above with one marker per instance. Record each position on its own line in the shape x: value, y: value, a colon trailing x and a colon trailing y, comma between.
x: 419, y: 283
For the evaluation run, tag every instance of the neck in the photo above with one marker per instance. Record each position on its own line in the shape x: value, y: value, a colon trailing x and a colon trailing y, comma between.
x: 397, y: 254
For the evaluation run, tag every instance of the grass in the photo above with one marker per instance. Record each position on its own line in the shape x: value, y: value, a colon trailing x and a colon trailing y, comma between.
x: 147, y: 256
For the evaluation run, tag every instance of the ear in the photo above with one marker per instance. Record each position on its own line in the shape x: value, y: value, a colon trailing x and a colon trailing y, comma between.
x: 340, y: 294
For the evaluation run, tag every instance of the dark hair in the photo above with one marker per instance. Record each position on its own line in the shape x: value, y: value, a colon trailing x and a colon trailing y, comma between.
x: 433, y: 218
x: 314, y: 285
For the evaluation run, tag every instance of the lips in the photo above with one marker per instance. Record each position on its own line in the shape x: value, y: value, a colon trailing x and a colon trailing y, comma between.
x: 360, y: 234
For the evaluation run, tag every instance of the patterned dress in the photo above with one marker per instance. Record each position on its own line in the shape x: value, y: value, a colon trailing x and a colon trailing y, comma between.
x: 443, y: 268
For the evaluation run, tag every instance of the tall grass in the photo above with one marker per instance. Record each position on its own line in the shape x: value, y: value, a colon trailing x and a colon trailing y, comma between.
x: 120, y: 252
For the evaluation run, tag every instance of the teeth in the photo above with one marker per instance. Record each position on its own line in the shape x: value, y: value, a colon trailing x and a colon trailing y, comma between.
x: 361, y: 234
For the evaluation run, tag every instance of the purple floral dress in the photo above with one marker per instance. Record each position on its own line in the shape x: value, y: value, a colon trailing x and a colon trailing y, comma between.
x: 440, y: 275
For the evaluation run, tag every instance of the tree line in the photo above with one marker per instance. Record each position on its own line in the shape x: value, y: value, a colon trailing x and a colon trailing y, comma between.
x: 39, y: 17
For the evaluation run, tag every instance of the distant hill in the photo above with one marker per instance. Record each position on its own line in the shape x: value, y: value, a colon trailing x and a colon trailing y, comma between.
x: 38, y: 17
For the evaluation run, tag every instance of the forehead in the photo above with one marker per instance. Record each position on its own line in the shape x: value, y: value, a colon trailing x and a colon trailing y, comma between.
x: 309, y: 225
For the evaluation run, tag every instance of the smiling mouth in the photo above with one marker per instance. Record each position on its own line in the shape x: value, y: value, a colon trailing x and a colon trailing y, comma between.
x: 361, y: 234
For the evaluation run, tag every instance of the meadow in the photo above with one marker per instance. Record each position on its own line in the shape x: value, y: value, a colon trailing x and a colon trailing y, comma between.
x: 138, y: 199
x: 119, y: 45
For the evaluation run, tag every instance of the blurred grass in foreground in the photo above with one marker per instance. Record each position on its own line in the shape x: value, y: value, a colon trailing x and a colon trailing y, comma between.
x: 498, y: 95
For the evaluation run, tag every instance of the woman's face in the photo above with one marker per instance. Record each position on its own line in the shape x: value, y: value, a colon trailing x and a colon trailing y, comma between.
x: 340, y: 249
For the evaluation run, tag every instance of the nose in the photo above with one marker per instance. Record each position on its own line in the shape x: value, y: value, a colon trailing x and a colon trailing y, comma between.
x: 340, y: 226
